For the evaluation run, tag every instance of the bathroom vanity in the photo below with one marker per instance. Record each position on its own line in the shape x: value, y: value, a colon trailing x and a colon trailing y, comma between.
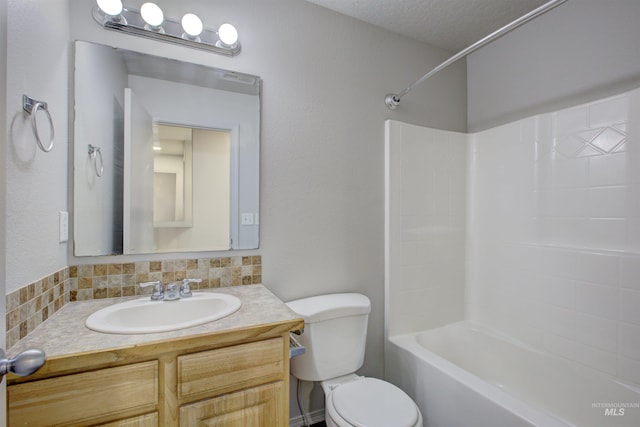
x: 230, y: 372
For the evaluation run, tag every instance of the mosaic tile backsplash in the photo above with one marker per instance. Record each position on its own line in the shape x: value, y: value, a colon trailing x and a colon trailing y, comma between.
x: 31, y: 305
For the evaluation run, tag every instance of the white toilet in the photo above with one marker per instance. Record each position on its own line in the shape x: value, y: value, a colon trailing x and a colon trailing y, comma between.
x: 335, y: 334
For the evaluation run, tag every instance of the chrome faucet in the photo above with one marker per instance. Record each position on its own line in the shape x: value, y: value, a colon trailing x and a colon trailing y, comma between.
x: 185, y: 287
x: 171, y: 293
x: 158, y: 291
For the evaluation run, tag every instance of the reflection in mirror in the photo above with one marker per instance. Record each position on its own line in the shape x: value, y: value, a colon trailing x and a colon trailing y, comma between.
x: 180, y: 144
x: 172, y: 172
x: 184, y: 155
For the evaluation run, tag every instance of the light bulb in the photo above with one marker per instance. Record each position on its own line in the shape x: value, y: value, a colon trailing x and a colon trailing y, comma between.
x: 110, y: 7
x: 228, y: 34
x: 192, y: 25
x: 152, y: 14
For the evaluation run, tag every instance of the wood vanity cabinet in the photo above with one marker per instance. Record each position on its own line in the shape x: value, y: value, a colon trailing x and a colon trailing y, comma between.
x: 103, y: 394
x: 227, y: 380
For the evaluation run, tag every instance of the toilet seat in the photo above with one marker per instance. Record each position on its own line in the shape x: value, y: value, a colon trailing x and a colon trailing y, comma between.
x: 371, y: 402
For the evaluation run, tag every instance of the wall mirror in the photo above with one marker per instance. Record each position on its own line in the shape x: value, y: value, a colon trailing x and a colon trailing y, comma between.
x: 166, y: 155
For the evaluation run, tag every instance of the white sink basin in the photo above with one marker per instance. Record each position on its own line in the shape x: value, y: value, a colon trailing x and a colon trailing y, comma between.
x: 144, y: 316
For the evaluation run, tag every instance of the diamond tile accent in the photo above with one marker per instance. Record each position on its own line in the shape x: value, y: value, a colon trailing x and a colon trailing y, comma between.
x: 589, y: 151
x: 588, y: 135
x: 608, y: 140
x: 594, y: 142
x: 621, y: 148
x: 570, y: 146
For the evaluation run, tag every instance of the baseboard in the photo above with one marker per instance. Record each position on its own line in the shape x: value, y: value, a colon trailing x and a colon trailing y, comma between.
x: 313, y: 417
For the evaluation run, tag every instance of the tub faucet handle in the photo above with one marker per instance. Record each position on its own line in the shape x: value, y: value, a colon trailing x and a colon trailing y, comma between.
x: 185, y: 287
x: 158, y: 291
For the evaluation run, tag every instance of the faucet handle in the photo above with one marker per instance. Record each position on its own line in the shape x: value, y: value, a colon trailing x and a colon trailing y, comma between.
x: 185, y: 287
x: 158, y: 291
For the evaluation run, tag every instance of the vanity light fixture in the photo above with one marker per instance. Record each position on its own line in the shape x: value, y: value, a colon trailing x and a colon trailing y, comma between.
x: 228, y: 35
x: 111, y: 8
x: 150, y: 22
x: 192, y: 26
x: 152, y: 16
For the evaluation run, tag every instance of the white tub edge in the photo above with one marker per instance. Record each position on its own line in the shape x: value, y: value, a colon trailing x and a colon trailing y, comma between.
x: 480, y: 386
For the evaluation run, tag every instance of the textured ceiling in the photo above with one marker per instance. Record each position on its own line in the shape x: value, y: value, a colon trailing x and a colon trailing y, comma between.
x: 448, y: 24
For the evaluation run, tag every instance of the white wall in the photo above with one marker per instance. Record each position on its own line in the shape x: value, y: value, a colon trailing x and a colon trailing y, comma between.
x: 555, y: 233
x: 426, y: 191
x: 582, y: 51
x: 36, y: 182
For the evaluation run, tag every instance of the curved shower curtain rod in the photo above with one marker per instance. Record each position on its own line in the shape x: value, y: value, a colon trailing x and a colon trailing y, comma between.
x: 392, y: 100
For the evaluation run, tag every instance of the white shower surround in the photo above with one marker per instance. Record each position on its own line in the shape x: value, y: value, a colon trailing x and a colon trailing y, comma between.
x: 531, y: 229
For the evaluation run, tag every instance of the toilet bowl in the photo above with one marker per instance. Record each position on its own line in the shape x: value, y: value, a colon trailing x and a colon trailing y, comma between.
x: 370, y: 402
x: 334, y: 337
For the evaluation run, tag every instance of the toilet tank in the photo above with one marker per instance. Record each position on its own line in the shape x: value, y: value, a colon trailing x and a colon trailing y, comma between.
x: 335, y: 334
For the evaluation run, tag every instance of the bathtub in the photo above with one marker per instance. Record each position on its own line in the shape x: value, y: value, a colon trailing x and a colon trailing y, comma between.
x: 462, y: 375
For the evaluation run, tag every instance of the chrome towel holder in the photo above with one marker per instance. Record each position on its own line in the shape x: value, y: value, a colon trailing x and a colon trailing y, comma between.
x: 95, y: 154
x: 32, y: 106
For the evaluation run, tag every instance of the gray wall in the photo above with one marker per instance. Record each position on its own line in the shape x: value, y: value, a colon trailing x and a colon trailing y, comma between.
x: 582, y: 51
x: 37, y: 61
x: 322, y: 170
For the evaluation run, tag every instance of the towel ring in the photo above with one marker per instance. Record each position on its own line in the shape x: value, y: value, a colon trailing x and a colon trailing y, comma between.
x: 32, y: 106
x: 94, y: 152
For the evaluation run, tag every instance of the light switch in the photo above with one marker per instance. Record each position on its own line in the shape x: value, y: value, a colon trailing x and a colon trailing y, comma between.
x: 63, y: 218
x: 246, y: 219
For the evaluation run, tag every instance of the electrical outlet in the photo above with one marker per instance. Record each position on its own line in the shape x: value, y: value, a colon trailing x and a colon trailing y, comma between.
x: 64, y: 226
x: 246, y: 219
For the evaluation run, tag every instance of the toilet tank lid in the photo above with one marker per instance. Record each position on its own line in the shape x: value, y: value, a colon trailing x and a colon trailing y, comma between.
x: 332, y: 306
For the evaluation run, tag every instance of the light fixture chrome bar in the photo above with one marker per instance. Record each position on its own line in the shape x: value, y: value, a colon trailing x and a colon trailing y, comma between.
x: 130, y: 21
x: 392, y: 100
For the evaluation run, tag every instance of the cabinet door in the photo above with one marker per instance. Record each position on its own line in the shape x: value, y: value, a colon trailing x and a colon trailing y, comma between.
x: 149, y: 420
x: 88, y: 397
x: 255, y: 407
x: 223, y: 370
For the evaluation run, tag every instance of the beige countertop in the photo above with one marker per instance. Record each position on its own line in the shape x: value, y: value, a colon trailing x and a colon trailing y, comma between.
x: 65, y: 332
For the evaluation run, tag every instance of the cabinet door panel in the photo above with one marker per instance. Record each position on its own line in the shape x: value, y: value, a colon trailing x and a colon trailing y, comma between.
x: 214, y: 372
x: 255, y: 407
x: 99, y: 396
x: 149, y: 420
